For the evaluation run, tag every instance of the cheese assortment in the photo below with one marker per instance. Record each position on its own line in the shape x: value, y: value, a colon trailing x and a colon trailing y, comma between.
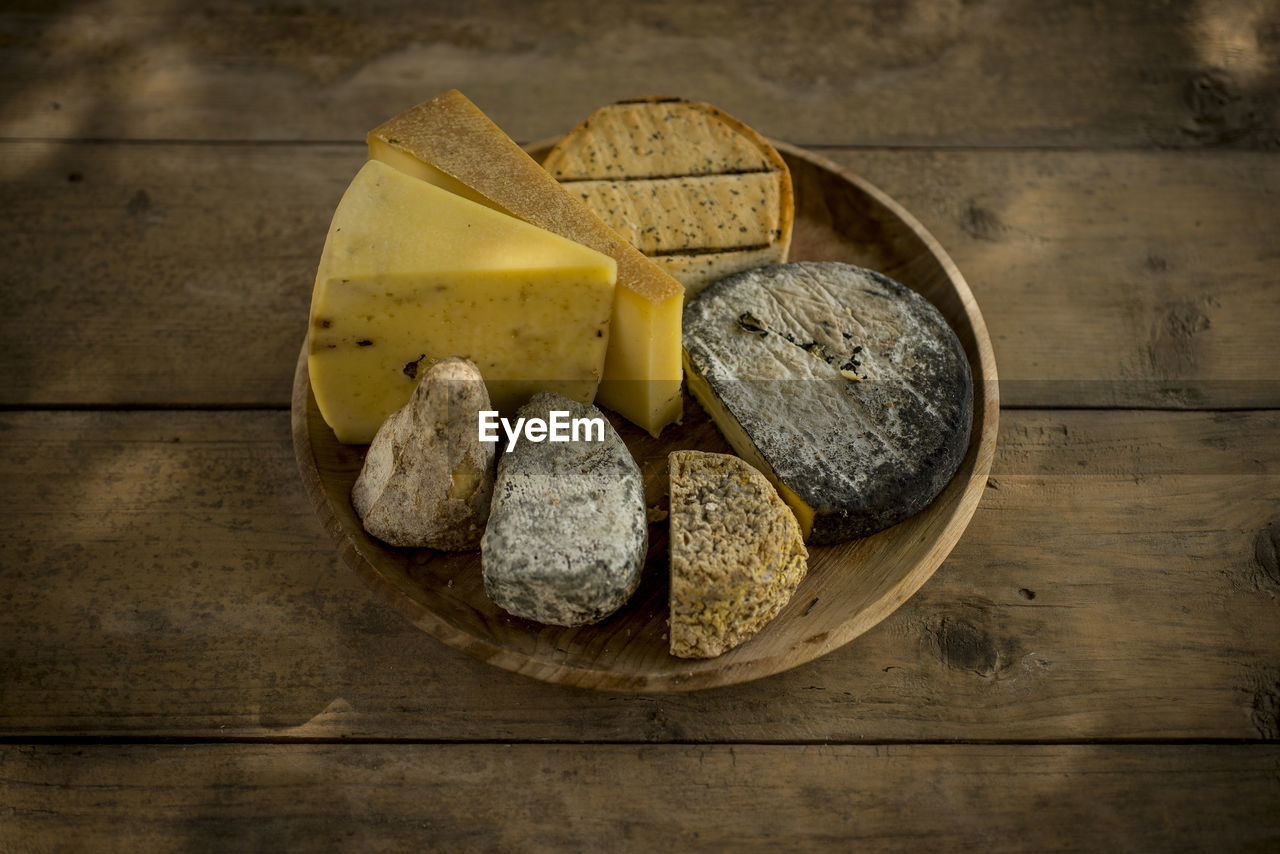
x: 411, y: 273
x: 845, y: 396
x: 449, y: 142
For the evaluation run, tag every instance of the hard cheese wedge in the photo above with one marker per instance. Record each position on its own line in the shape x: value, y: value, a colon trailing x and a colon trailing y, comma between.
x: 450, y: 143
x: 411, y: 274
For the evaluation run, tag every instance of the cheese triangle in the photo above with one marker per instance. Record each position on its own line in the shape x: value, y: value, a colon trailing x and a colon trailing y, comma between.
x: 412, y: 273
x: 449, y: 142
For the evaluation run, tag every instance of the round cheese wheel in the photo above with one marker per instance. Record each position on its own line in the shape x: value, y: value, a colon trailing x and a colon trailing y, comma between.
x: 847, y: 389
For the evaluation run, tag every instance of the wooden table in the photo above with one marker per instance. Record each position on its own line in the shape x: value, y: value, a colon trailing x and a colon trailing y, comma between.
x: 185, y: 664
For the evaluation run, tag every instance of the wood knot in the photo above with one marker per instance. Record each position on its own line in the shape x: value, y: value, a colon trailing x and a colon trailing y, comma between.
x: 1266, y: 555
x: 1265, y: 713
x: 1174, y: 348
x: 962, y: 641
x: 139, y: 204
x: 1220, y: 114
x: 981, y: 223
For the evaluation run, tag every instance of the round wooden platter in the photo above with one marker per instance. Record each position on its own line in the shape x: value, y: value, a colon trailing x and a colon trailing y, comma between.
x: 849, y: 587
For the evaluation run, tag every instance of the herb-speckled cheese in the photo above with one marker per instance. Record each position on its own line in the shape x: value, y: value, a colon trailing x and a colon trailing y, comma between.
x: 411, y: 274
x: 696, y: 190
x: 848, y: 390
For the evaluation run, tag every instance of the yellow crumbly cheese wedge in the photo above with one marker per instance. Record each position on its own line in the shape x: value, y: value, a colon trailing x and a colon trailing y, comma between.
x: 451, y: 143
x: 695, y: 189
x: 412, y: 274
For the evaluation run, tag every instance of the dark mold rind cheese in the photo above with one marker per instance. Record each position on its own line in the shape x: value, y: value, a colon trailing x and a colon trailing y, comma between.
x: 568, y: 527
x: 847, y: 389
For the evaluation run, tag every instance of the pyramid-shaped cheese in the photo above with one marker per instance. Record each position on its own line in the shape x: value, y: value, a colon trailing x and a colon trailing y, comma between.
x: 450, y: 142
x: 412, y: 273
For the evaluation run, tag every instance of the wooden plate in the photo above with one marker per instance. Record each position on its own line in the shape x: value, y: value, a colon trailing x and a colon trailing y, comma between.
x: 849, y: 587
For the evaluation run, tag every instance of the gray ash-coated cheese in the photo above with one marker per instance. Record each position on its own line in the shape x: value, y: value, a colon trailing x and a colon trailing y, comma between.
x: 567, y: 530
x: 846, y: 388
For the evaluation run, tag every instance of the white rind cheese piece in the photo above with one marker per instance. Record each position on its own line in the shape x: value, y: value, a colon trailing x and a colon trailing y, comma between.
x: 568, y: 529
x: 848, y: 390
x: 427, y: 479
x: 736, y: 553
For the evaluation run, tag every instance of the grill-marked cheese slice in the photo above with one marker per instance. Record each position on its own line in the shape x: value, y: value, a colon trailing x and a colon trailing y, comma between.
x: 736, y: 553
x: 695, y: 189
x: 847, y: 389
x: 450, y: 142
x: 411, y: 274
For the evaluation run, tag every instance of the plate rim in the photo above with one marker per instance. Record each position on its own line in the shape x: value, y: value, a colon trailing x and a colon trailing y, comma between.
x: 982, y: 447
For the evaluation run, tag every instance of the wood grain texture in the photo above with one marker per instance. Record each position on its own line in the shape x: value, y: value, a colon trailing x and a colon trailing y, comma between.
x: 989, y: 73
x: 1110, y: 280
x: 163, y: 575
x: 1102, y: 173
x: 1119, y: 279
x: 638, y: 798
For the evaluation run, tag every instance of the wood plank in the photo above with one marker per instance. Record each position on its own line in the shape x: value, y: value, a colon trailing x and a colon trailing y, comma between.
x: 161, y: 575
x: 639, y: 798
x: 181, y: 274
x: 994, y: 73
x: 1110, y: 280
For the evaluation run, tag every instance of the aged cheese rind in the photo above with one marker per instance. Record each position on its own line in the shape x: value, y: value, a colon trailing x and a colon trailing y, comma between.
x: 427, y: 479
x: 697, y: 190
x: 656, y: 137
x: 449, y: 141
x: 411, y: 274
x: 737, y: 555
x: 855, y: 440
x: 568, y: 530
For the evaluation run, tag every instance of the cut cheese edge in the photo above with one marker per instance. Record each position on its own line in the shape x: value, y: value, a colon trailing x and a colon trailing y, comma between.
x: 412, y: 274
x: 666, y: 216
x: 449, y: 142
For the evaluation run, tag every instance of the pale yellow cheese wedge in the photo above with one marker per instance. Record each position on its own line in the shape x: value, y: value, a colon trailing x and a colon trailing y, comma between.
x: 411, y: 274
x: 451, y: 143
